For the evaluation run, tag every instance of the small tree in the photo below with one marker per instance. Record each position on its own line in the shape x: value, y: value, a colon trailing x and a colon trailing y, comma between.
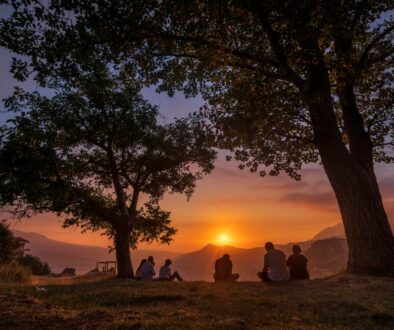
x: 11, y: 247
x: 93, y: 154
x: 35, y: 264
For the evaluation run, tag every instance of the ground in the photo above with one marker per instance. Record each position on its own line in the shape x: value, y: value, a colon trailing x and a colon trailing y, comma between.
x: 340, y: 302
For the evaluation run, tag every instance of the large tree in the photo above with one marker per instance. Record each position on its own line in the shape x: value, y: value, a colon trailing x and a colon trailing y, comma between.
x: 286, y: 83
x: 97, y: 156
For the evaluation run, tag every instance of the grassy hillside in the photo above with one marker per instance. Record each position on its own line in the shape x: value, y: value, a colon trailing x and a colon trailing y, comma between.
x: 341, y: 302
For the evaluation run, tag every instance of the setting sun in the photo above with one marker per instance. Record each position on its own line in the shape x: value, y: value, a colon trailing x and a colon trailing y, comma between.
x: 223, y: 238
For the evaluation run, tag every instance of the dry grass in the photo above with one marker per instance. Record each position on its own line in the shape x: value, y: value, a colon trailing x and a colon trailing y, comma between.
x: 341, y: 302
x: 88, y: 278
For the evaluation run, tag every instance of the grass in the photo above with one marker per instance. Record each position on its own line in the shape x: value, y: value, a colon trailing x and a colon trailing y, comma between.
x: 341, y: 302
x: 14, y: 273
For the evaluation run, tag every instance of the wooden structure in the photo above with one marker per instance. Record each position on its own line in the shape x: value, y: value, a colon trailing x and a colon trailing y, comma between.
x: 105, y: 266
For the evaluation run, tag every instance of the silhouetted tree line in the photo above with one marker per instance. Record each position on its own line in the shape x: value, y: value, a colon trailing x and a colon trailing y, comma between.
x: 12, y: 249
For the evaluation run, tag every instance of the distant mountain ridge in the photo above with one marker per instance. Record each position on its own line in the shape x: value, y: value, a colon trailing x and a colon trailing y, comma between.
x: 199, y: 265
x: 196, y: 265
x: 339, y: 231
x: 83, y: 258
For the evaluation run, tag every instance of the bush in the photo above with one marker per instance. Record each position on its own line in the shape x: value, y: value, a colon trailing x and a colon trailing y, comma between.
x: 14, y: 273
x: 36, y: 265
x: 11, y: 247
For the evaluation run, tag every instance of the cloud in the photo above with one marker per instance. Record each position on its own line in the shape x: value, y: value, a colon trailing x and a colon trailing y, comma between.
x: 321, y: 200
x: 386, y: 185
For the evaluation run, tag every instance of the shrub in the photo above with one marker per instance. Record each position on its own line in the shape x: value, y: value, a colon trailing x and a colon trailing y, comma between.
x: 11, y: 247
x: 14, y: 273
x: 36, y: 265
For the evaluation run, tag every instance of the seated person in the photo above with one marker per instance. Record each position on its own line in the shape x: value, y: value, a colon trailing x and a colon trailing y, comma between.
x: 297, y: 264
x: 148, y: 270
x: 138, y: 271
x: 224, y: 270
x: 275, y: 269
x: 165, y: 273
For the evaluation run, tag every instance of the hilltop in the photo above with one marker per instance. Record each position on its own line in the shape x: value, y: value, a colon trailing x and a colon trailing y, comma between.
x: 341, y: 302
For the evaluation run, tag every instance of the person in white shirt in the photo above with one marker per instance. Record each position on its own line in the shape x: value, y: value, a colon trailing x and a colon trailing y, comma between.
x: 147, y: 270
x: 165, y: 273
x: 275, y: 267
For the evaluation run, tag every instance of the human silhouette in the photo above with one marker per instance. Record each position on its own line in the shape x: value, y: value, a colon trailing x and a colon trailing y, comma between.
x: 275, y: 269
x: 297, y: 264
x: 166, y: 275
x: 138, y: 271
x: 224, y: 270
x: 148, y: 270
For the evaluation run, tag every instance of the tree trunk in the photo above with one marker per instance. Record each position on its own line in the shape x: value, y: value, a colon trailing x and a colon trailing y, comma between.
x: 122, y: 247
x: 369, y: 237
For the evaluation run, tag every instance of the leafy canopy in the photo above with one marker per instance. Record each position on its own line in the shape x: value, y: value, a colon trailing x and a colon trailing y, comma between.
x: 92, y: 152
x: 250, y: 60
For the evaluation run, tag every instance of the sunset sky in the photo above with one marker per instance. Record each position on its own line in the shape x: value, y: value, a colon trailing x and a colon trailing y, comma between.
x: 229, y: 206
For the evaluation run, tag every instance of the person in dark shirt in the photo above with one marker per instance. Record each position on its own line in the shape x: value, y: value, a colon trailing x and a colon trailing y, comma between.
x: 224, y: 270
x: 297, y: 265
x: 138, y: 272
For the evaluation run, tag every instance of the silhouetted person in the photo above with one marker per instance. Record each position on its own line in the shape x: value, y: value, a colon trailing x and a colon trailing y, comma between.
x: 275, y: 269
x: 138, y: 271
x: 224, y: 270
x: 148, y: 270
x: 297, y: 264
x: 165, y: 273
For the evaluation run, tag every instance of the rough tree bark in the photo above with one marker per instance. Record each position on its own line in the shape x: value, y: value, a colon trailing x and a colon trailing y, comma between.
x: 351, y: 174
x: 122, y: 246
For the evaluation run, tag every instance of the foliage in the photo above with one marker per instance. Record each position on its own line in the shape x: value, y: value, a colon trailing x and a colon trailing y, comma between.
x: 11, y: 247
x: 90, y: 152
x: 17, y: 266
x: 13, y: 272
x: 252, y: 62
x: 70, y: 272
x: 35, y: 264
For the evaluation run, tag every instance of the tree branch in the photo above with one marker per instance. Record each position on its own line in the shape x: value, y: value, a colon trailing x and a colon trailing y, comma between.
x: 274, y: 40
x: 364, y: 55
x: 226, y: 50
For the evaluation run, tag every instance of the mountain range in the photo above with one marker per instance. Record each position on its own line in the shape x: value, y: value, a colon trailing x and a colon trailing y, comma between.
x: 83, y: 258
x: 326, y: 251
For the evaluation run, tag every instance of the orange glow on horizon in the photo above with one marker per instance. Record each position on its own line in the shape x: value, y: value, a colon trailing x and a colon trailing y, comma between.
x: 232, y: 209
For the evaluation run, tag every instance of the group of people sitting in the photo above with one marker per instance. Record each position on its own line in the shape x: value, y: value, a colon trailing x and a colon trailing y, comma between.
x: 146, y: 271
x: 276, y: 267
